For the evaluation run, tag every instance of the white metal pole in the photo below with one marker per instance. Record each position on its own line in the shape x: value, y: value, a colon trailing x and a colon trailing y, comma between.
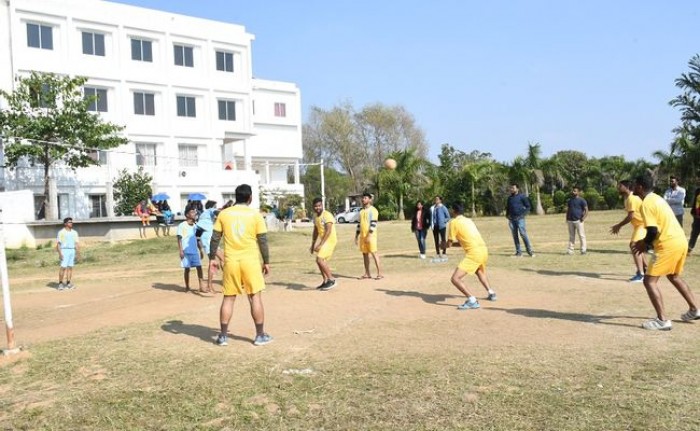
x: 323, y: 187
x: 6, y: 292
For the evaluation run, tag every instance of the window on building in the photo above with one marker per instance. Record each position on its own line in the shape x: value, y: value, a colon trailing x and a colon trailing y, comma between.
x: 99, y: 99
x: 98, y: 206
x: 145, y: 154
x: 39, y: 209
x: 188, y: 155
x: 39, y: 36
x: 186, y: 106
x: 280, y: 110
x: 99, y: 156
x: 227, y: 110
x: 224, y: 61
x: 141, y: 50
x: 144, y: 103
x: 225, y: 197
x: 42, y: 97
x: 93, y: 43
x: 184, y: 55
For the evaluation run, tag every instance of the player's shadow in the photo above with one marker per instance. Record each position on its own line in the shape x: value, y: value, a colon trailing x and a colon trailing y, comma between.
x: 170, y: 287
x: 575, y: 317
x: 204, y: 333
x: 400, y: 256
x: 435, y: 299
x: 607, y: 251
x: 291, y: 286
x: 576, y: 273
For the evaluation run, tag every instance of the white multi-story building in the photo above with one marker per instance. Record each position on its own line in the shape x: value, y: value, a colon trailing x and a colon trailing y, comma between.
x: 183, y: 87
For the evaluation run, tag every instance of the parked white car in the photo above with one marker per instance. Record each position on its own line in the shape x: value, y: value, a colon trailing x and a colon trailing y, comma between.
x: 350, y: 216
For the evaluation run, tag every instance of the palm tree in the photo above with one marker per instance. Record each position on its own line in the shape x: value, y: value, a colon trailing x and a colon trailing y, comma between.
x: 476, y: 172
x: 533, y: 163
x: 407, y: 176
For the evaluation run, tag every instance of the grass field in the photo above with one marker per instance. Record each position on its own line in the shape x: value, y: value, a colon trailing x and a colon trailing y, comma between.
x: 561, y: 350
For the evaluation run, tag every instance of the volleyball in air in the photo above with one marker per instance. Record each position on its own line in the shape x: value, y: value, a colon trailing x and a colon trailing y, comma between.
x: 390, y: 164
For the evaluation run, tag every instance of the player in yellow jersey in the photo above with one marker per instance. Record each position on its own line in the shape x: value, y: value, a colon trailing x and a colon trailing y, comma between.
x: 666, y: 236
x: 462, y: 231
x: 245, y: 239
x: 366, y: 235
x: 633, y: 205
x: 324, y: 228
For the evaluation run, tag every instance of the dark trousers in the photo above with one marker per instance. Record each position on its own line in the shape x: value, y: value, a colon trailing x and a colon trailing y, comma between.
x: 439, y: 237
x: 694, y: 232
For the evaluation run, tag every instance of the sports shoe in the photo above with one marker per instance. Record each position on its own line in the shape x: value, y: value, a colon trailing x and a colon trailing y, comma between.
x: 263, y: 339
x: 531, y: 253
x: 570, y: 252
x: 657, y: 325
x: 583, y: 253
x: 322, y: 285
x: 517, y: 255
x: 690, y: 315
x: 637, y: 279
x: 330, y: 284
x: 422, y: 256
x: 70, y: 285
x: 469, y: 305
x: 221, y: 340
x: 61, y: 286
x: 444, y: 258
x: 492, y: 297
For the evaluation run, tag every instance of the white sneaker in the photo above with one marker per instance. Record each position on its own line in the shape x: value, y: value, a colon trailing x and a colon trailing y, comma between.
x: 422, y: 256
x: 690, y: 315
x: 657, y: 325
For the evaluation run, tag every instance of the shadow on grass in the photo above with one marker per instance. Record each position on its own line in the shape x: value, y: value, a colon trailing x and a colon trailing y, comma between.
x: 291, y: 286
x: 170, y: 287
x: 204, y: 333
x: 435, y: 299
x: 607, y: 251
x: 574, y: 317
x: 551, y: 272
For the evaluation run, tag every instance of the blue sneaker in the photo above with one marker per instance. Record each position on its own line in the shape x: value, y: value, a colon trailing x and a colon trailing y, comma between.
x: 492, y: 297
x: 263, y: 339
x: 469, y: 305
x: 637, y: 279
x: 222, y: 340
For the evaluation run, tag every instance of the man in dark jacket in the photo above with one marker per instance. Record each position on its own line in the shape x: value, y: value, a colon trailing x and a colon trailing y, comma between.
x: 517, y: 207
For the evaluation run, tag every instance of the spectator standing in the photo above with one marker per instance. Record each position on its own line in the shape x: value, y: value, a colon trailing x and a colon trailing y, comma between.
x: 675, y: 196
x: 420, y: 223
x: 517, y: 207
x: 439, y: 218
x: 67, y: 245
x: 576, y: 213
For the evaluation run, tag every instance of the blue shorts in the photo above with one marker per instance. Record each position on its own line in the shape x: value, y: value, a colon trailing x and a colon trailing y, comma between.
x: 68, y: 257
x: 191, y: 260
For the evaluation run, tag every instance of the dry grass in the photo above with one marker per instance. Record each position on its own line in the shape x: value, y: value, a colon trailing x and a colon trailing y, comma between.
x: 561, y: 351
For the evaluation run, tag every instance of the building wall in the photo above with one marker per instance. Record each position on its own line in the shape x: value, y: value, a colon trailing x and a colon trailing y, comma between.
x: 254, y: 137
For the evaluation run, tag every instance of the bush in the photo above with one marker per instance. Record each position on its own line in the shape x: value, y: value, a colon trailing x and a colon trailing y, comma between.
x: 559, y: 199
x: 593, y: 198
x: 547, y: 203
x: 612, y: 198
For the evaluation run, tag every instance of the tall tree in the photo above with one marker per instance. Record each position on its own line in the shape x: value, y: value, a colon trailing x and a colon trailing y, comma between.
x: 686, y: 145
x: 533, y: 162
x: 47, y: 119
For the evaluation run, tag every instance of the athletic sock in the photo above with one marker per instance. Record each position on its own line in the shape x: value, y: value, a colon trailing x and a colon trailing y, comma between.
x: 259, y: 328
x: 471, y: 299
x: 491, y: 292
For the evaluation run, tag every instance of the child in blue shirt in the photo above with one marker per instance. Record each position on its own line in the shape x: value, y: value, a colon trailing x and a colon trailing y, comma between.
x: 68, y: 251
x: 190, y: 245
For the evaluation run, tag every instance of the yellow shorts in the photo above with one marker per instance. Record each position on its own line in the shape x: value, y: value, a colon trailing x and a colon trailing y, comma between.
x: 638, y: 233
x: 474, y: 260
x: 326, y: 250
x: 243, y: 276
x: 669, y: 260
x: 368, y: 246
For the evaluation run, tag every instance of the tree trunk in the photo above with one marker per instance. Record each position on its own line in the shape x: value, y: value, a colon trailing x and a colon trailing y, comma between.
x: 473, y: 200
x: 402, y: 216
x: 48, y: 208
x: 539, y: 210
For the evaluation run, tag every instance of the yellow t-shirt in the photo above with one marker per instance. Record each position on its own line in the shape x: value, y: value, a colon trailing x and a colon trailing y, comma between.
x: 240, y: 226
x: 321, y: 221
x: 657, y: 212
x: 368, y: 215
x: 633, y: 203
x: 464, y: 230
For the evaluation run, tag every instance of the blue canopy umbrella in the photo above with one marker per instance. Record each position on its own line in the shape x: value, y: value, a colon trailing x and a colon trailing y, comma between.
x: 160, y: 197
x: 196, y: 197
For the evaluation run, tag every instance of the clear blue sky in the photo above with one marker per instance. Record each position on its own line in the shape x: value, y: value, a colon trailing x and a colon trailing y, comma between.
x: 594, y: 76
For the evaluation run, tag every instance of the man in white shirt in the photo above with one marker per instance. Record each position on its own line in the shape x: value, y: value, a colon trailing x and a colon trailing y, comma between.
x: 675, y: 196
